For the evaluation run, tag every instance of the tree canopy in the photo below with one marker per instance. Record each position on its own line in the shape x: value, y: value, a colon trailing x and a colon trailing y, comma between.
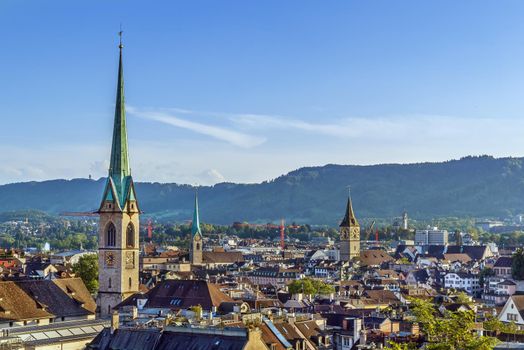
x: 452, y: 331
x: 310, y: 286
x: 87, y: 269
x: 517, y: 267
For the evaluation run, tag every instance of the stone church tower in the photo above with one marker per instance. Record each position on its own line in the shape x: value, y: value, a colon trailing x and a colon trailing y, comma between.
x: 349, y: 234
x: 195, y: 251
x: 119, y: 212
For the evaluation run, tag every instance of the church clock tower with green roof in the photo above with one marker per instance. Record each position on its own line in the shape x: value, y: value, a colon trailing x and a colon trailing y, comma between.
x: 119, y: 214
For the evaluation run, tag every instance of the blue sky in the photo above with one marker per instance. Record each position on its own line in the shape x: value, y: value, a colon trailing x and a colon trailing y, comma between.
x: 245, y: 91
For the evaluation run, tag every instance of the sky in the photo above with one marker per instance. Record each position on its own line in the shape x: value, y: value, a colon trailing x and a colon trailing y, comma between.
x: 245, y: 91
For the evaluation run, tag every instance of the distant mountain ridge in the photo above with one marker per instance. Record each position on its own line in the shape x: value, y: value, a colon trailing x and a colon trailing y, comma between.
x: 471, y: 186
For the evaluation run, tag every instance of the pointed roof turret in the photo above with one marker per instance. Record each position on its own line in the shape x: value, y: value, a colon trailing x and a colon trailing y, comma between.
x: 195, y: 225
x: 349, y: 217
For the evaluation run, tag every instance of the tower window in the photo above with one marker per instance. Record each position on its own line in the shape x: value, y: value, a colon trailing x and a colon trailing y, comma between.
x: 109, y: 283
x: 130, y: 282
x: 111, y: 235
x: 130, y: 236
x: 198, y: 246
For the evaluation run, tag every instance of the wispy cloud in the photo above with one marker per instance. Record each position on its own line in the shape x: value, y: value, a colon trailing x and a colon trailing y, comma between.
x: 258, y: 121
x: 231, y: 136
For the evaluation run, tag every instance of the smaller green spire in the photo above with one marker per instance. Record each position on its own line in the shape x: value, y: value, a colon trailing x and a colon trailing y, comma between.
x: 195, y: 225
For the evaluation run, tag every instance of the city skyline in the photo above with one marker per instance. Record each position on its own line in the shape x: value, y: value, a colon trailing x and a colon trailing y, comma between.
x: 245, y: 93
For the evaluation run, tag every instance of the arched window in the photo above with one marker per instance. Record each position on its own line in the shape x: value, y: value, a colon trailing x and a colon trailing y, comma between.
x: 198, y: 246
x: 130, y: 236
x: 109, y: 283
x: 111, y: 235
x: 130, y: 282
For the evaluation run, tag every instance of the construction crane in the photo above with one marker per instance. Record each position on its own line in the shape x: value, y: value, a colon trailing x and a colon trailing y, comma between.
x: 282, y: 232
x: 369, y: 230
x: 79, y: 213
x: 150, y: 230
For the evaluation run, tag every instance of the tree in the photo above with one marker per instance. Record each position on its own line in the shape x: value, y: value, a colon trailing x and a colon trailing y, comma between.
x: 87, y: 269
x: 493, y: 325
x: 486, y: 272
x: 453, y: 331
x: 310, y: 286
x: 303, y: 286
x: 463, y: 298
x: 517, y: 267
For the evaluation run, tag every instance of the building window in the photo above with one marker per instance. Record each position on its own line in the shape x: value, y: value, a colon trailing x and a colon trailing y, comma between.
x: 111, y: 235
x: 109, y: 283
x: 130, y: 282
x: 198, y: 246
x: 130, y: 236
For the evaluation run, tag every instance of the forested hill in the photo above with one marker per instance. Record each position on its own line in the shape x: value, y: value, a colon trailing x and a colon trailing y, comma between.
x: 471, y: 186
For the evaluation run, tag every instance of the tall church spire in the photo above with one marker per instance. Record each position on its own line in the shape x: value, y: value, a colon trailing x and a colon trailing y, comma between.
x: 119, y: 187
x: 119, y: 164
x: 195, y: 225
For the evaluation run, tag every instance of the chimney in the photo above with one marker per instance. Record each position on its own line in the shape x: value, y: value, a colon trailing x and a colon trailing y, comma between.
x: 363, y: 337
x: 346, y: 323
x: 115, y: 321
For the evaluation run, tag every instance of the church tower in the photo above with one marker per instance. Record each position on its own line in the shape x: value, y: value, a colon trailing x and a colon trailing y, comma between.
x: 195, y: 251
x: 349, y: 234
x: 119, y: 212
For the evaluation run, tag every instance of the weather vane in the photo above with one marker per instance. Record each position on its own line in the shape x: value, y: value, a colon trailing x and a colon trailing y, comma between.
x: 120, y: 35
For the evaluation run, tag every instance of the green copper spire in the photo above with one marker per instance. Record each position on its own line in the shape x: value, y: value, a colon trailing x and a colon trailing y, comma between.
x: 119, y: 186
x: 195, y: 225
x: 119, y: 165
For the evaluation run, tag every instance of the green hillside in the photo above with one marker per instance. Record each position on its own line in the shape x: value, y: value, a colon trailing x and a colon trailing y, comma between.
x: 471, y: 186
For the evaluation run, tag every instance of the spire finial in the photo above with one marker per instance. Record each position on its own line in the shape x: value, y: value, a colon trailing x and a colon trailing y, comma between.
x: 349, y: 191
x: 120, y: 35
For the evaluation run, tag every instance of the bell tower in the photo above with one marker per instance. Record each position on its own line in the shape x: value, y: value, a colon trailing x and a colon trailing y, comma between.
x: 349, y: 234
x: 119, y: 214
x: 195, y: 251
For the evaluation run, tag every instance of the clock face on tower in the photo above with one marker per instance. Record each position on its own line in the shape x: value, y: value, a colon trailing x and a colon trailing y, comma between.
x: 355, y: 234
x: 344, y: 234
x: 110, y: 259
